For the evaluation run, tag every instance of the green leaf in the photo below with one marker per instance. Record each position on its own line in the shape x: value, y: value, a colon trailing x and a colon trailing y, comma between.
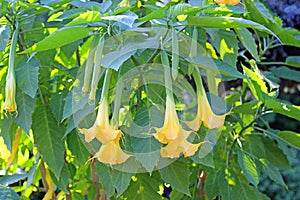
x: 260, y: 14
x: 4, y: 36
x: 62, y: 182
x: 121, y: 180
x: 248, y: 42
x: 77, y: 148
x: 126, y: 18
x: 293, y: 61
x: 286, y: 73
x: 226, y: 44
x: 59, y: 38
x: 215, y: 65
x: 26, y: 106
x: 48, y: 138
x: 105, y: 176
x: 291, y: 138
x: 27, y: 72
x: 273, y: 172
x: 57, y: 105
x: 156, y: 14
x: 177, y: 175
x: 261, y: 147
x: 249, y: 167
x: 87, y: 17
x: 224, y: 22
x: 147, y: 151
x: 181, y: 9
x: 143, y: 187
x: 234, y: 187
x: 211, y: 186
x: 8, y: 193
x: 11, y: 179
x: 284, y: 108
x: 274, y: 154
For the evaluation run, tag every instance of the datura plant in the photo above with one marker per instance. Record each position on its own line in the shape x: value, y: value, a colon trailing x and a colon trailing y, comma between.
x: 136, y: 99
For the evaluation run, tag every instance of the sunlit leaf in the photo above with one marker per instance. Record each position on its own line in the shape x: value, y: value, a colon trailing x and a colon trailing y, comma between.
x: 48, y: 138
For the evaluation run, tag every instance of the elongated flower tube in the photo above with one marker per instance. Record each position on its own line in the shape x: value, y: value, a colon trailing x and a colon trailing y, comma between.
x: 204, y: 111
x: 172, y: 133
x: 10, y: 87
x: 89, y: 65
x: 110, y: 151
x: 96, y: 69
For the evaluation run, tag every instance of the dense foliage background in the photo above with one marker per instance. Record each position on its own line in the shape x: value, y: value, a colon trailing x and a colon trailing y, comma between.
x: 246, y: 55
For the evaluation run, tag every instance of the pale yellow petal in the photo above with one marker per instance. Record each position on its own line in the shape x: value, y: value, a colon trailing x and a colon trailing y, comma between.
x: 210, y: 120
x: 111, y: 153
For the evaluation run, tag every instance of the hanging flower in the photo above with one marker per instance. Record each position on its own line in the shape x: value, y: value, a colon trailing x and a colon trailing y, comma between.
x: 174, y: 135
x: 204, y: 112
x: 110, y: 151
x: 230, y: 2
x: 10, y: 93
x: 171, y: 127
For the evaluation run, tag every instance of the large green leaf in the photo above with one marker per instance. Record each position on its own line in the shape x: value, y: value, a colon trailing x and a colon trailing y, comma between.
x: 177, y: 174
x: 26, y: 106
x: 211, y: 185
x: 143, y: 187
x: 62, y: 181
x: 77, y: 148
x: 60, y: 38
x: 226, y: 44
x: 286, y: 73
x: 57, y: 105
x: 291, y: 138
x: 293, y: 61
x: 4, y: 36
x: 48, y: 138
x: 105, y: 175
x: 249, y: 167
x: 215, y: 65
x: 27, y: 72
x: 147, y: 151
x: 284, y: 108
x: 87, y: 17
x: 248, y: 42
x: 234, y: 187
x: 121, y: 180
x: 273, y: 172
x: 156, y: 14
x: 8, y: 193
x: 260, y: 14
x: 261, y: 147
x: 224, y: 22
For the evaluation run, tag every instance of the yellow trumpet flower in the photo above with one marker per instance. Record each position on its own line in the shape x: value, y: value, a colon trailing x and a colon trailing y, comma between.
x: 174, y: 135
x: 171, y: 127
x: 180, y: 144
x: 204, y: 112
x: 230, y: 2
x: 110, y: 152
x: 10, y: 93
